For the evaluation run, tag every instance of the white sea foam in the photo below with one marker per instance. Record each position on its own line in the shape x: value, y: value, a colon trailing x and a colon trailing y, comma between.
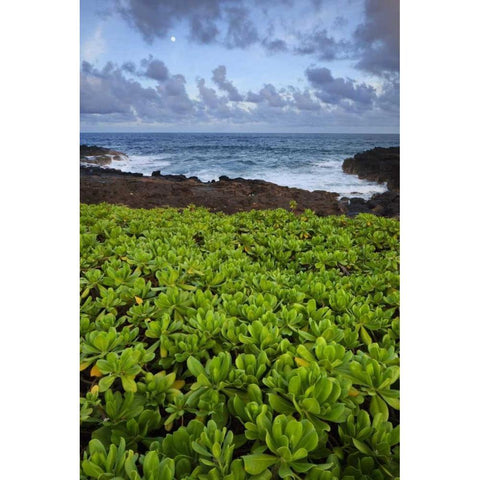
x: 145, y: 164
x: 307, y: 162
x: 326, y: 175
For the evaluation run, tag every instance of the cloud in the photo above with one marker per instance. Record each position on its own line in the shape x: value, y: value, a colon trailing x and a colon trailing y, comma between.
x: 389, y: 98
x: 319, y: 76
x: 304, y: 101
x: 220, y: 79
x: 378, y: 38
x: 116, y: 95
x: 108, y: 91
x: 95, y: 46
x: 174, y: 95
x: 274, y: 46
x: 203, y: 30
x: 129, y: 67
x: 155, y: 69
x: 233, y: 23
x: 322, y: 46
x: 253, y: 97
x: 241, y: 30
x: 333, y: 90
x: 208, y: 95
x: 155, y: 19
x: 269, y: 95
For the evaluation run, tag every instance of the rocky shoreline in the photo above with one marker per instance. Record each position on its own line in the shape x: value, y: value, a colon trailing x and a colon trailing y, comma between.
x: 226, y: 195
x: 381, y: 165
x: 101, y: 156
x: 378, y: 165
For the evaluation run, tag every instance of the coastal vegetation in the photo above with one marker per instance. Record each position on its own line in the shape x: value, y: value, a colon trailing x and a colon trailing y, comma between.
x: 254, y: 346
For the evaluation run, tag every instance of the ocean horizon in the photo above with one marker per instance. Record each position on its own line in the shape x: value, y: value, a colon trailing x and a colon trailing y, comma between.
x: 311, y: 161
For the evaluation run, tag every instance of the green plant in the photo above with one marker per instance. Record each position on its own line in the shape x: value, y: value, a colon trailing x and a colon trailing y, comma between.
x: 212, y: 346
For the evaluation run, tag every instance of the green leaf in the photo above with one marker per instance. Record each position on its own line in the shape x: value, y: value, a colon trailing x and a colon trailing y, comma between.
x: 279, y: 404
x: 391, y: 397
x: 377, y: 405
x: 309, y: 440
x: 105, y: 383
x: 151, y: 464
x: 166, y: 470
x: 363, y: 447
x: 302, y: 467
x: 311, y: 405
x: 201, y: 449
x: 285, y: 471
x: 91, y: 469
x: 128, y: 383
x: 366, y: 339
x: 258, y: 462
x: 195, y: 366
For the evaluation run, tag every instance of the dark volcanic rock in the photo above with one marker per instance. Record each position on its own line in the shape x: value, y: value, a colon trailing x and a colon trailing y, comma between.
x: 385, y: 204
x: 358, y: 205
x: 99, y: 155
x: 229, y: 196
x: 95, y: 170
x: 378, y: 165
x: 174, y: 178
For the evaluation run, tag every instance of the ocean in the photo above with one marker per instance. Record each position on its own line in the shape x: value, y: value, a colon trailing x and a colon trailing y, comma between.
x: 308, y: 161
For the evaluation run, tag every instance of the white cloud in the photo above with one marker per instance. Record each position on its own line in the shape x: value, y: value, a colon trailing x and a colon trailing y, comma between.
x: 95, y: 46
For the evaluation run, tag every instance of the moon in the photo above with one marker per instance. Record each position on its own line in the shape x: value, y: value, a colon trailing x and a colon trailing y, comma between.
x: 172, y: 38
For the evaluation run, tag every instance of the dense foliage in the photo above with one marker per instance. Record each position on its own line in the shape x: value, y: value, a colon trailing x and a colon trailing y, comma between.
x: 253, y: 346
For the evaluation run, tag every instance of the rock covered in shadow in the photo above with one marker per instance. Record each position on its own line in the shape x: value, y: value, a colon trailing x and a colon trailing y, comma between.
x: 378, y: 165
x: 385, y: 204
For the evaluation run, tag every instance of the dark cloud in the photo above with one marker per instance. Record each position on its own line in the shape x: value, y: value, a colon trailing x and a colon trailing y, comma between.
x: 340, y: 22
x: 220, y: 79
x: 129, y: 67
x: 269, y: 95
x: 229, y: 22
x: 108, y: 91
x: 213, y: 107
x: 389, y: 99
x: 174, y: 95
x: 322, y: 46
x: 319, y: 76
x: 274, y: 46
x: 378, y: 38
x: 253, y: 97
x: 241, y: 30
x: 304, y: 101
x: 157, y: 18
x: 208, y: 95
x: 203, y: 30
x: 114, y: 95
x: 155, y: 69
x: 335, y: 90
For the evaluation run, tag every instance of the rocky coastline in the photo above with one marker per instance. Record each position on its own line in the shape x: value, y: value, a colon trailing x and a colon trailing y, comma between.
x: 381, y: 165
x: 228, y: 195
x: 101, y: 156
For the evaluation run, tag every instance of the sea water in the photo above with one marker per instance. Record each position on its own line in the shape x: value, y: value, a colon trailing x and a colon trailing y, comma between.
x: 308, y: 161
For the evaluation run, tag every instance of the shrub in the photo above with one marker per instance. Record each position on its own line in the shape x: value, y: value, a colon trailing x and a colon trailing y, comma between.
x: 253, y: 346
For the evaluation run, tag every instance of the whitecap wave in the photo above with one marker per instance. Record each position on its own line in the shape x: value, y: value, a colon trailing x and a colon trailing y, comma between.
x: 145, y: 164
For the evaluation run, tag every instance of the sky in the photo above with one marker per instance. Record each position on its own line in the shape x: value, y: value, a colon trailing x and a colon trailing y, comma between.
x: 303, y: 66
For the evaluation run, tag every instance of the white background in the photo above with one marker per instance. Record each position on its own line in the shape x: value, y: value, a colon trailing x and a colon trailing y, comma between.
x: 40, y: 222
